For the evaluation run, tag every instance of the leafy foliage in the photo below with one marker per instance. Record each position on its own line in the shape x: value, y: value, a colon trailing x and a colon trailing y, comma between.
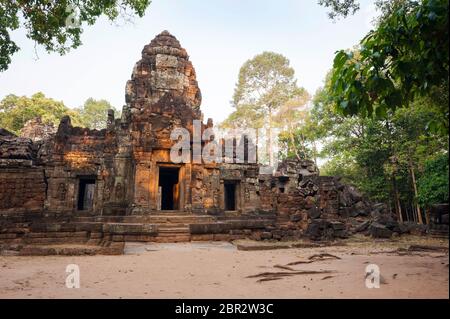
x: 51, y: 23
x: 433, y: 184
x: 406, y: 56
x: 93, y: 114
x: 378, y: 155
x: 15, y: 111
x: 342, y: 8
x: 265, y: 83
x: 266, y: 89
x: 294, y: 120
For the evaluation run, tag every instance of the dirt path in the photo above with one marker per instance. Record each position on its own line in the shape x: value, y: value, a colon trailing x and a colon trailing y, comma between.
x: 218, y: 270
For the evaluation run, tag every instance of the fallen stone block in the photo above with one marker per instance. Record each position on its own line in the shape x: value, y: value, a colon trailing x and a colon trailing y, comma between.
x: 314, y: 212
x: 266, y: 235
x: 379, y: 231
x: 363, y: 226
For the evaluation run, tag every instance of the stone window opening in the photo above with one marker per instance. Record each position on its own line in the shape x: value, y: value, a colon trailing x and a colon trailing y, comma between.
x: 282, y: 181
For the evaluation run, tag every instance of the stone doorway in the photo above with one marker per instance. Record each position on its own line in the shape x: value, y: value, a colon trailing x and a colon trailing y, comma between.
x: 230, y: 195
x: 86, y: 191
x: 169, y: 188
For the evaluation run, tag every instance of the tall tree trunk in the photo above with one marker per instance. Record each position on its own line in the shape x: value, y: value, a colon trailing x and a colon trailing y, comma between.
x: 413, y: 212
x: 315, y: 153
x: 427, y: 216
x: 413, y: 178
x: 303, y: 145
x: 398, y: 207
x: 294, y: 146
x: 256, y: 146
x: 269, y: 139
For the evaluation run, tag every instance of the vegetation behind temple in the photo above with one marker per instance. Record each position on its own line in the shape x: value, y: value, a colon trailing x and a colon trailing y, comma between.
x: 15, y: 111
x: 394, y: 83
x: 382, y: 115
x: 396, y: 159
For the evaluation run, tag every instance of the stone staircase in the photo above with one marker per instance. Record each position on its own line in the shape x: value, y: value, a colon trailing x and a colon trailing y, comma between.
x: 172, y: 226
x: 168, y: 227
x: 439, y: 231
x: 173, y: 233
x: 38, y: 234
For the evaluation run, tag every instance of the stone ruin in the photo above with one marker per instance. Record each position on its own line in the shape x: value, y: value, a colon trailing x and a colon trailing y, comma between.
x: 105, y: 187
x: 36, y: 130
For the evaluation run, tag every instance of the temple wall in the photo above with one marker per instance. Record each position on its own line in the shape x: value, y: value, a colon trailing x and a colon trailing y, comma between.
x: 80, y: 155
x: 22, y: 189
x: 22, y: 180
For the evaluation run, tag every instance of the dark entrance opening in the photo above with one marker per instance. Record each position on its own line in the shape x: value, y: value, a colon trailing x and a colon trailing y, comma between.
x: 230, y: 195
x: 86, y: 193
x: 169, y: 187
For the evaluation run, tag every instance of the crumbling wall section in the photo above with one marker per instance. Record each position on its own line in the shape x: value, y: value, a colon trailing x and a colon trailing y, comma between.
x: 22, y: 180
x: 36, y: 130
x: 79, y: 153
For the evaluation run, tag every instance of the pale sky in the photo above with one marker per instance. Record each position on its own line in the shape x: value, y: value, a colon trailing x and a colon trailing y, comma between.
x: 219, y: 36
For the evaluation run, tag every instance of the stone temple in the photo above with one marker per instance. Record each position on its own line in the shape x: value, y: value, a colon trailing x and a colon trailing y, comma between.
x: 106, y: 187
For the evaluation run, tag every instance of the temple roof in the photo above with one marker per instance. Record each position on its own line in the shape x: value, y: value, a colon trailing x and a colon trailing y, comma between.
x: 165, y: 39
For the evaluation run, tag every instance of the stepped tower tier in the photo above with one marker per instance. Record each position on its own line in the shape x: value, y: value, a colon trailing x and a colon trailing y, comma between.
x: 164, y: 70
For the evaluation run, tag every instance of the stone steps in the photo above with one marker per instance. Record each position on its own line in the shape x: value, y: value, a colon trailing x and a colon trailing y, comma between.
x: 150, y: 219
x: 66, y: 250
x: 439, y: 231
x: 173, y: 230
x: 104, y: 231
x: 173, y: 239
x: 130, y: 229
x: 439, y: 234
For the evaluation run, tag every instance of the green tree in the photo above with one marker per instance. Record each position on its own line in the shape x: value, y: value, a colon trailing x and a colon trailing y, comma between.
x: 404, y: 58
x: 265, y: 83
x: 15, y: 111
x: 384, y: 157
x: 433, y: 184
x: 294, y: 121
x: 93, y: 114
x: 345, y: 8
x: 56, y: 25
x: 342, y: 8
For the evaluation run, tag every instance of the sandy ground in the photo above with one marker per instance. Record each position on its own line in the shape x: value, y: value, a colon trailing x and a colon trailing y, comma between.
x: 219, y: 270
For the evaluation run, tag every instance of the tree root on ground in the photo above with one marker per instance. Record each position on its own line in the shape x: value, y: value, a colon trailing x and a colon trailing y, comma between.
x: 313, y: 258
x: 268, y: 276
x: 284, y: 267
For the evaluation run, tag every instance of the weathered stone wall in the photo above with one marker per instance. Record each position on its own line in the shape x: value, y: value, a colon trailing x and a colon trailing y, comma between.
x: 22, y: 182
x: 80, y: 153
x: 36, y: 130
x: 22, y: 189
